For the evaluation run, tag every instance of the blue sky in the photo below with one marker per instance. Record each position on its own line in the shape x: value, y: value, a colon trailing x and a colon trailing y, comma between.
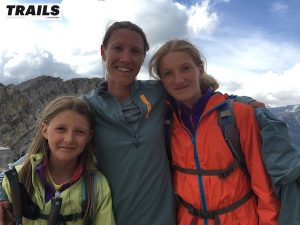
x: 251, y: 47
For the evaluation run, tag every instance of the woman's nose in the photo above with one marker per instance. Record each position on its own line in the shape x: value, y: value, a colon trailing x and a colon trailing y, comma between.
x: 126, y: 56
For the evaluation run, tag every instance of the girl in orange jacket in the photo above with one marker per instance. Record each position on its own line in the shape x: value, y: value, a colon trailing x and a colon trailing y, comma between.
x: 210, y: 187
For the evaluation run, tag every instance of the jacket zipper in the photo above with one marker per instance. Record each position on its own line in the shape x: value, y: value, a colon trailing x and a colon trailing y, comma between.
x: 197, y: 161
x: 196, y: 157
x: 198, y: 167
x: 133, y: 131
x: 200, y: 180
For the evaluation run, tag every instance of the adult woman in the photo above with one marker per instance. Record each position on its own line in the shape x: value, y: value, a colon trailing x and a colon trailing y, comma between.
x: 129, y: 132
x: 199, y: 146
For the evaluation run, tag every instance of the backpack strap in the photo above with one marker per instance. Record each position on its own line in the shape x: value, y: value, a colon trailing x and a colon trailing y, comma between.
x: 63, y: 219
x: 230, y: 133
x: 12, y: 176
x: 212, y: 214
x: 84, y: 194
x: 222, y: 173
x: 168, y: 123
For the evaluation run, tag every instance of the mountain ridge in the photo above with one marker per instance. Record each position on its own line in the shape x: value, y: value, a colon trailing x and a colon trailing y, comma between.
x: 20, y: 106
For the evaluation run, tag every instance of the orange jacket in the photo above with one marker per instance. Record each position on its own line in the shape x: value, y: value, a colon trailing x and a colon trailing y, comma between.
x: 212, y: 152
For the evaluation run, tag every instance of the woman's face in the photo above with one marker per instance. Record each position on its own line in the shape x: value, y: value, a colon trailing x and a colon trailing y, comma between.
x: 180, y: 76
x: 123, y: 56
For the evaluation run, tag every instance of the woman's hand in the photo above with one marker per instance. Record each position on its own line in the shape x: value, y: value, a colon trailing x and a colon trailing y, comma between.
x: 257, y: 104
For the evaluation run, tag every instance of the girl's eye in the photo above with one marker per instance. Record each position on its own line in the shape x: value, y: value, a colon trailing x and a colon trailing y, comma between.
x: 81, y: 132
x: 186, y: 68
x: 60, y: 129
x: 165, y: 74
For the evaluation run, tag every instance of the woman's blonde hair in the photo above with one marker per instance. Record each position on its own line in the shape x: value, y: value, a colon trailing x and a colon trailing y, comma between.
x: 40, y: 144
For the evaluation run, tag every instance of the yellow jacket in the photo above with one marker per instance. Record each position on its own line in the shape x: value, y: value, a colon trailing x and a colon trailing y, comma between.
x: 72, y: 198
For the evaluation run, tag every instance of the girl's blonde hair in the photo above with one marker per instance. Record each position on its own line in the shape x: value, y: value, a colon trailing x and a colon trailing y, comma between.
x: 40, y: 144
x: 173, y: 46
x: 185, y: 46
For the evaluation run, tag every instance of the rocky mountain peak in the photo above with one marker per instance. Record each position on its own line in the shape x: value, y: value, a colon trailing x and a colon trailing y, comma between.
x: 21, y: 104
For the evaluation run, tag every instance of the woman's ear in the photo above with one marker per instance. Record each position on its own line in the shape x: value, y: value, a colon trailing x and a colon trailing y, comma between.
x: 103, y: 53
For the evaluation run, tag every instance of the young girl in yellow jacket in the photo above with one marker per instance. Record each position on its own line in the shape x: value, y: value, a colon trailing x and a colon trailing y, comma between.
x: 59, y: 169
x: 200, y: 155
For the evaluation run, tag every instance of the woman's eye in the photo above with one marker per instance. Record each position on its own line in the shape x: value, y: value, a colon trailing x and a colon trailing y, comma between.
x: 136, y: 51
x: 118, y: 48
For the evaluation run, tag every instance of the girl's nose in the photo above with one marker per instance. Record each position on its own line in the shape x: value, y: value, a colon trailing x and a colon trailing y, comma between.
x: 69, y: 137
x: 178, y: 78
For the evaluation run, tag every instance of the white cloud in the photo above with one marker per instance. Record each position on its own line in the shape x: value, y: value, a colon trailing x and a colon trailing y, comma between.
x: 200, y: 19
x: 19, y: 67
x: 254, y: 65
x: 76, y: 39
x: 274, y: 89
x: 279, y: 7
x: 244, y: 61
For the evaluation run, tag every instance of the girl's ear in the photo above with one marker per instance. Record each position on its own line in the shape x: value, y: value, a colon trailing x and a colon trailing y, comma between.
x: 91, y: 135
x: 103, y: 55
x: 45, y: 130
x: 201, y: 70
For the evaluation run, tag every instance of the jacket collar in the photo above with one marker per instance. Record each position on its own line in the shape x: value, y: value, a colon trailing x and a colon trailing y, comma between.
x: 214, y: 102
x: 103, y: 87
x: 217, y: 100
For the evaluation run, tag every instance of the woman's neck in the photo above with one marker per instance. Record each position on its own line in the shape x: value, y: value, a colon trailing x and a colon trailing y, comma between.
x: 121, y: 92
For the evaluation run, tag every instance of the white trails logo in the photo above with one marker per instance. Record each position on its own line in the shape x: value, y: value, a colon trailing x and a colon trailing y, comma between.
x: 34, y: 11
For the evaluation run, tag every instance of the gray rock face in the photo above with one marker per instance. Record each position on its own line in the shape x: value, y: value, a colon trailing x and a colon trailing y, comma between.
x: 5, y: 157
x: 20, y: 106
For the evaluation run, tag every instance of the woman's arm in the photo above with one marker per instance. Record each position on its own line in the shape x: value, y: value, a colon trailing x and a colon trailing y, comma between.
x: 281, y: 157
x: 267, y: 203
